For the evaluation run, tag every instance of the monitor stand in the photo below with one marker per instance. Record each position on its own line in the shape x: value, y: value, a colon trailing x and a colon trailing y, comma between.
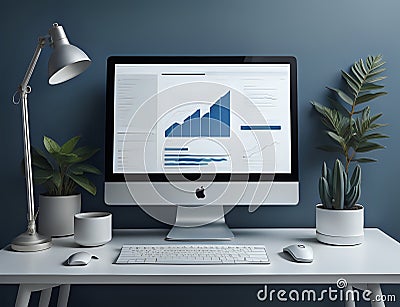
x: 200, y: 223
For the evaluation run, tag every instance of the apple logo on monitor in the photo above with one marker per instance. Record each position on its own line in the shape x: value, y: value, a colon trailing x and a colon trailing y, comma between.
x: 200, y: 192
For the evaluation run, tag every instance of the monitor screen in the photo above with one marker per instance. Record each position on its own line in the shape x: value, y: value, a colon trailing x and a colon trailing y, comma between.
x: 201, y: 119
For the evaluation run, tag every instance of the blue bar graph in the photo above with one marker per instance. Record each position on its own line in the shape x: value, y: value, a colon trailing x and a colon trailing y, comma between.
x: 176, y: 148
x: 193, y: 159
x: 215, y: 123
x: 255, y: 127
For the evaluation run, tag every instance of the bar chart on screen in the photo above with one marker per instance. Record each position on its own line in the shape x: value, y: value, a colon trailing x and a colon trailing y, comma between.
x: 214, y: 123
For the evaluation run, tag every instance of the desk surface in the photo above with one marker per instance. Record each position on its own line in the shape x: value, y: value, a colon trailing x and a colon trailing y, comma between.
x: 374, y: 261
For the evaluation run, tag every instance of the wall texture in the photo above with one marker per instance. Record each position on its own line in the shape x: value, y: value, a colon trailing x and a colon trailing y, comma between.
x: 325, y: 36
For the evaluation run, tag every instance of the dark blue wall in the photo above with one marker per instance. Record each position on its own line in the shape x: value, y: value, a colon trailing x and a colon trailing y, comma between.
x: 325, y: 36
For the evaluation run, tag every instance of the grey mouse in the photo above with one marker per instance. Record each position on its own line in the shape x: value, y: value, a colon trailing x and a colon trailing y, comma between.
x: 300, y: 252
x: 80, y: 258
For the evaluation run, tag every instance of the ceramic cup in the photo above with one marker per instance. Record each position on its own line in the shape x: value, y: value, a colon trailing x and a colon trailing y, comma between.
x: 93, y: 228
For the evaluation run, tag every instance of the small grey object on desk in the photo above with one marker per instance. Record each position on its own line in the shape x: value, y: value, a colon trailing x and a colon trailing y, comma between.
x: 93, y: 228
x: 300, y: 252
x: 80, y: 258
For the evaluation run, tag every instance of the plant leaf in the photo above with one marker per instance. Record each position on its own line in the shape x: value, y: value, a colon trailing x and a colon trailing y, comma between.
x: 351, y: 82
x: 359, y: 70
x: 39, y: 159
x: 365, y: 160
x: 337, y: 138
x: 41, y: 174
x: 69, y: 146
x: 84, y: 153
x: 84, y: 183
x: 374, y: 72
x: 361, y: 64
x: 342, y: 95
x: 370, y: 87
x: 85, y: 168
x: 375, y: 136
x: 368, y: 97
x: 355, y: 73
x: 51, y: 145
x: 65, y: 158
x: 375, y: 117
x: 329, y: 115
x: 376, y: 126
x: 339, y: 106
x: 56, y: 178
x: 76, y: 172
x: 375, y: 61
x: 368, y: 146
x: 370, y: 61
x: 375, y: 79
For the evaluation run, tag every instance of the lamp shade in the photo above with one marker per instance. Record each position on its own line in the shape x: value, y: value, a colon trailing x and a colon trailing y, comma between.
x: 67, y: 61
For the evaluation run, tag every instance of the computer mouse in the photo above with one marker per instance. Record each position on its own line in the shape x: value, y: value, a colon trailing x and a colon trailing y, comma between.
x: 300, y: 252
x: 80, y: 258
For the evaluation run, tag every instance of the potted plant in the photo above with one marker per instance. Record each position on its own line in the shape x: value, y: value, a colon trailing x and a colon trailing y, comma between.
x: 61, y: 171
x: 351, y: 127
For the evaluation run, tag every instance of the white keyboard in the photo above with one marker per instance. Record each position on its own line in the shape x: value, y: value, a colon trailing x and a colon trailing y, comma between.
x: 193, y: 254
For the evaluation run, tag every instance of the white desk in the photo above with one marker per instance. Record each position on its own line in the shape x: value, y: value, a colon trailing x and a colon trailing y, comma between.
x: 374, y: 262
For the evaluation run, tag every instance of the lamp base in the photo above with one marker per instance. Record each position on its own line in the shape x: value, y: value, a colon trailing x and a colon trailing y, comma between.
x: 27, y: 242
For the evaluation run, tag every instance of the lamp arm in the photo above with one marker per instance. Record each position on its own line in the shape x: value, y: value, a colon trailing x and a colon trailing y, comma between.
x: 23, y: 91
x: 41, y: 43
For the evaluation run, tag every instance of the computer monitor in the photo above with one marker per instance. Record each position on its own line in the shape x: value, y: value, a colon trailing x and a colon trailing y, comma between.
x: 188, y: 138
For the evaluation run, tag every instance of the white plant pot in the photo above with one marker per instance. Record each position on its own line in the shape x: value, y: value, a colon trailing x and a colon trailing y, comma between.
x: 340, y: 227
x: 56, y: 214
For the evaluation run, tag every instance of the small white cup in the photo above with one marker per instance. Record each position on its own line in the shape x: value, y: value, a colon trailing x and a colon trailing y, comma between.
x: 93, y: 228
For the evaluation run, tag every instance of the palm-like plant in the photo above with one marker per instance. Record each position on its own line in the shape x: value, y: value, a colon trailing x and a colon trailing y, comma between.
x: 65, y: 169
x: 349, y: 122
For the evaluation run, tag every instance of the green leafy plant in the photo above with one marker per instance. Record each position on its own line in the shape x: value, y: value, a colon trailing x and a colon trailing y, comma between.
x: 336, y: 189
x: 349, y: 122
x: 62, y: 169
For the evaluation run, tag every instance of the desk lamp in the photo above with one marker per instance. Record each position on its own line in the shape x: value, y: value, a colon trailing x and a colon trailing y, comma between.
x: 66, y: 62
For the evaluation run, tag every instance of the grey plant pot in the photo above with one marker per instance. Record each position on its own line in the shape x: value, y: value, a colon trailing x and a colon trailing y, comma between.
x: 56, y: 214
